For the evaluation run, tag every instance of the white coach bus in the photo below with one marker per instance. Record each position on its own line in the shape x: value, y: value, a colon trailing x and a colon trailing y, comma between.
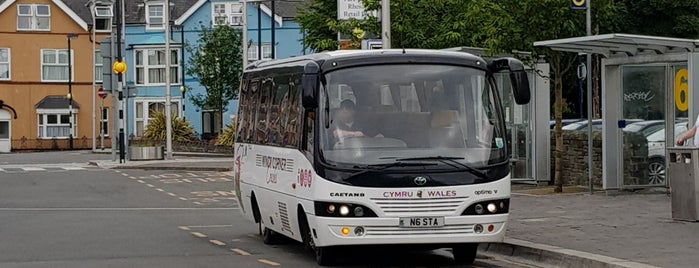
x: 376, y: 147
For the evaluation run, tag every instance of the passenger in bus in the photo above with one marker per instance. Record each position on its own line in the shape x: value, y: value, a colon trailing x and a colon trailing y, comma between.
x: 345, y: 125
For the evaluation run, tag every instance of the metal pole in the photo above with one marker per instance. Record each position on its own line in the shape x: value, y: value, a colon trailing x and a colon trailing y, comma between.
x: 120, y: 82
x: 101, y: 127
x: 259, y: 31
x: 70, y: 95
x: 245, y: 34
x: 272, y: 21
x: 168, y: 124
x: 94, y: 75
x: 113, y: 140
x: 385, y: 24
x: 590, y: 166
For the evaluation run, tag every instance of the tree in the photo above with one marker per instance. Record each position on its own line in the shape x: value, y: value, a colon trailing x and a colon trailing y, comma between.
x: 318, y: 20
x: 517, y: 25
x: 216, y: 61
x: 662, y: 18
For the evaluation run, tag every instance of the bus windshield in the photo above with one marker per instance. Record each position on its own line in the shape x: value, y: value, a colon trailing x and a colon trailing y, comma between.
x: 383, y: 114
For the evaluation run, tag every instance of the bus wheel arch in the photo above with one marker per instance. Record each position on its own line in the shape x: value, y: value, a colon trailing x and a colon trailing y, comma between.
x: 255, y: 208
x: 304, y: 229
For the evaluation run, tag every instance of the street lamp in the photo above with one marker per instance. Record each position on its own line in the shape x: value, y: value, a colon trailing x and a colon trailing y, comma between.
x: 70, y: 91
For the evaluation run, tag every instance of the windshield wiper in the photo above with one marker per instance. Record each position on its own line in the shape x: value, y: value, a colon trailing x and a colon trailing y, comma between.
x: 449, y: 160
x: 379, y: 167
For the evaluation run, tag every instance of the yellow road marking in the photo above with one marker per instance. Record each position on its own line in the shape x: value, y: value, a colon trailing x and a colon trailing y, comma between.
x: 216, y: 242
x: 241, y: 252
x: 171, y: 194
x: 198, y: 234
x: 160, y: 190
x: 182, y: 198
x: 184, y: 228
x: 268, y: 262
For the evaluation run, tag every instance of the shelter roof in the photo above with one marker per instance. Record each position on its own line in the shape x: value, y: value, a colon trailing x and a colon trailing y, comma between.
x: 620, y: 45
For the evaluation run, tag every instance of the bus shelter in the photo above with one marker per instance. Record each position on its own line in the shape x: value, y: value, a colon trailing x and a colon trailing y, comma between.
x: 649, y: 97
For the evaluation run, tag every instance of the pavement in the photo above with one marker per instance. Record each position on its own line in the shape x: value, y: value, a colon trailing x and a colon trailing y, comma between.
x: 627, y: 229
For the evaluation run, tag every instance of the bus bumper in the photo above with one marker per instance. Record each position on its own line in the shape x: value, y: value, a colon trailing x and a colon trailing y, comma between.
x: 376, y: 231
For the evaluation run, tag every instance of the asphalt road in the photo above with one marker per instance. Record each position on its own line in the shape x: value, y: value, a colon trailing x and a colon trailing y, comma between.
x: 76, y: 215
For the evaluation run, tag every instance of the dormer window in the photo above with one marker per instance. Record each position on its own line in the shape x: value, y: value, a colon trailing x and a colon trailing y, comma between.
x: 103, y: 18
x: 33, y: 17
x: 155, y: 16
x: 227, y: 13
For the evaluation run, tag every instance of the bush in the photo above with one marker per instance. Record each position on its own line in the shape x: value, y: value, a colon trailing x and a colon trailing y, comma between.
x: 156, y: 129
x: 227, y: 137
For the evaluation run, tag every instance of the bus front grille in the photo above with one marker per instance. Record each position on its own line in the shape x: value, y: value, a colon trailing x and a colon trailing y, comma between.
x: 421, y: 206
x: 448, y: 230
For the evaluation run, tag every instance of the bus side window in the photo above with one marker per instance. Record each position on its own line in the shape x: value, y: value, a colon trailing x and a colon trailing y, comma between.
x: 291, y: 110
x: 309, y: 122
x: 260, y: 135
x: 277, y: 118
x: 252, y: 110
x: 243, y: 113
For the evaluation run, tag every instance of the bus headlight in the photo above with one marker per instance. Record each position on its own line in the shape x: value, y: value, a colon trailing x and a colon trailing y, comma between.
x: 333, y: 209
x: 488, y: 207
x: 492, y: 208
x: 344, y: 210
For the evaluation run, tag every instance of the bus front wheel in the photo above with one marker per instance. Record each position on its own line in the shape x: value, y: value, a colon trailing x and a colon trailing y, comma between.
x: 325, y: 255
x: 269, y: 237
x: 465, y: 253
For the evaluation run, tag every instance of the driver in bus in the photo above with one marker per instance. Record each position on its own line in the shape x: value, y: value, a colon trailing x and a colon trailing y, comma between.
x: 346, y: 127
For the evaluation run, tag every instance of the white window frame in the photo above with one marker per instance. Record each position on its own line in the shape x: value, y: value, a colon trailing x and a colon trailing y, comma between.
x: 145, y: 65
x: 149, y: 17
x: 266, y: 52
x: 42, y: 116
x: 144, y: 116
x: 34, y: 17
x: 104, y: 121
x: 56, y: 63
x: 99, y: 64
x: 106, y: 16
x: 7, y: 63
x: 232, y: 13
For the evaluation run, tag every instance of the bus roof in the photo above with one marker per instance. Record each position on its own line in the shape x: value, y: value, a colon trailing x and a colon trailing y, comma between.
x: 371, y: 56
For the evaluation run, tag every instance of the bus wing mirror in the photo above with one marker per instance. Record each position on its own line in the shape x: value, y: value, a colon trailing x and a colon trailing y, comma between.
x: 310, y: 82
x: 518, y: 77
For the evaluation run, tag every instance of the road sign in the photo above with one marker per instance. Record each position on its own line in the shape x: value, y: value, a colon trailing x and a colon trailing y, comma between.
x: 101, y: 93
x: 582, y: 71
x: 578, y: 4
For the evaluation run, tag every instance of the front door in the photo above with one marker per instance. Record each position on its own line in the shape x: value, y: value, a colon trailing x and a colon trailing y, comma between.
x: 5, y: 130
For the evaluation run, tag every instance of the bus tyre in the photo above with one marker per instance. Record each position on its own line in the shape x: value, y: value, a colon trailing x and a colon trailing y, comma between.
x: 269, y: 237
x: 325, y: 256
x: 465, y: 253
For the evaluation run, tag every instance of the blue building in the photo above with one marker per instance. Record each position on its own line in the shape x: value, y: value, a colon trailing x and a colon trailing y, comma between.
x: 145, y: 53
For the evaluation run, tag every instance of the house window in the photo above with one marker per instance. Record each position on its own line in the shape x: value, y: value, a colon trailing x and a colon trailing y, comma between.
x: 266, y: 52
x: 150, y: 66
x: 155, y: 17
x: 227, y: 13
x: 55, y: 124
x: 54, y: 65
x: 104, y: 122
x: 103, y: 18
x: 253, y: 51
x: 4, y: 64
x: 33, y: 17
x: 99, y: 62
x: 146, y: 109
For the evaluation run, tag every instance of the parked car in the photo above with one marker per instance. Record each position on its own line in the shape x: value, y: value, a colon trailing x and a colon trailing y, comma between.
x: 656, y: 152
x: 564, y: 122
x: 597, y: 124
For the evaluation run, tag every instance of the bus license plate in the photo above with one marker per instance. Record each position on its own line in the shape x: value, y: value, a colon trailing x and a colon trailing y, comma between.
x: 417, y: 222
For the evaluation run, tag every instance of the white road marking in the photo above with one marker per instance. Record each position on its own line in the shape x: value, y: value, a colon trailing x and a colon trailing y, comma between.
x: 268, y: 262
x: 198, y: 234
x: 216, y: 242
x: 241, y: 252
